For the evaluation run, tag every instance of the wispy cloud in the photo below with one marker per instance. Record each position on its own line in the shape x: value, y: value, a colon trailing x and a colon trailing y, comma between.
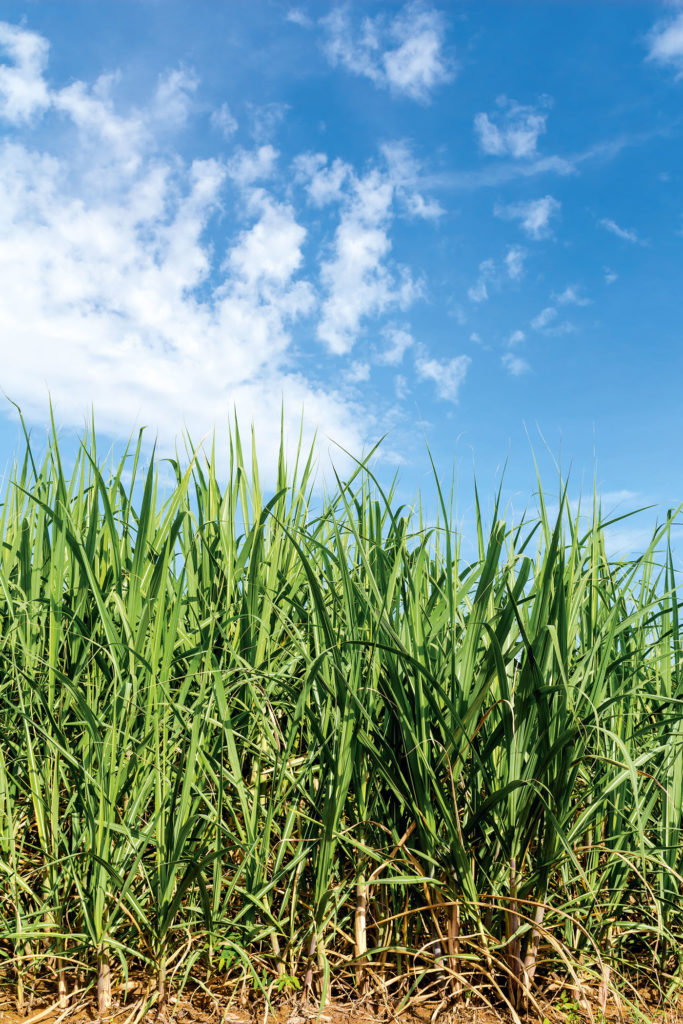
x: 627, y: 234
x: 406, y: 174
x: 514, y: 262
x: 400, y: 340
x: 535, y: 216
x: 493, y: 175
x: 494, y: 274
x: 447, y: 375
x: 478, y: 292
x: 358, y: 372
x: 223, y: 120
x: 514, y: 365
x: 572, y: 296
x: 299, y: 17
x: 403, y: 54
x: 545, y: 317
x: 513, y: 130
x: 666, y: 43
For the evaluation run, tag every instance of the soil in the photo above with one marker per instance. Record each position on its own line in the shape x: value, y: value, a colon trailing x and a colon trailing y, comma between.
x: 200, y: 1007
x: 187, y: 1012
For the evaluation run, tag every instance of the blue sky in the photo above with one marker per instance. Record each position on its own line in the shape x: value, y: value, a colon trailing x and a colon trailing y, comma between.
x: 460, y: 224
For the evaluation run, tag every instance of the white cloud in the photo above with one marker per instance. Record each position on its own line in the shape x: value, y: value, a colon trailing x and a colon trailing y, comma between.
x: 493, y: 274
x: 357, y: 278
x: 111, y: 294
x: 516, y: 337
x: 172, y: 101
x: 475, y: 338
x: 426, y: 209
x: 624, y: 233
x: 571, y: 296
x: 401, y: 387
x: 623, y: 541
x: 534, y: 216
x: 324, y: 184
x: 403, y: 54
x: 248, y: 166
x: 299, y: 17
x: 514, y: 262
x: 92, y: 112
x: 416, y: 65
x: 514, y: 365
x: 400, y: 340
x: 404, y: 171
x: 269, y: 253
x: 666, y: 43
x: 23, y: 91
x: 448, y: 375
x: 545, y: 317
x: 357, y: 373
x: 513, y: 131
x: 610, y: 276
x: 265, y: 119
x: 479, y: 291
x: 559, y: 330
x: 223, y: 120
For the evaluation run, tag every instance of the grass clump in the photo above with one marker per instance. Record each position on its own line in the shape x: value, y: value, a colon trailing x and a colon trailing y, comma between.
x: 308, y: 745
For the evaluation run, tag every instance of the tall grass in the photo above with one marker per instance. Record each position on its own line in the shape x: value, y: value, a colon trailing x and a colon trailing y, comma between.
x: 306, y: 744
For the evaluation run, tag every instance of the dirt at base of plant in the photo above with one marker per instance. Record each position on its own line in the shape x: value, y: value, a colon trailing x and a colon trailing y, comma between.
x: 199, y: 1008
x: 187, y: 1012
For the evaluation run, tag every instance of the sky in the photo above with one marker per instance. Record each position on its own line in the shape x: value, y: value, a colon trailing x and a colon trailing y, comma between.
x: 457, y: 225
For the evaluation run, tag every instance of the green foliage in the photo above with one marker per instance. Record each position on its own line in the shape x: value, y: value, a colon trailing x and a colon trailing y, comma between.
x: 307, y: 743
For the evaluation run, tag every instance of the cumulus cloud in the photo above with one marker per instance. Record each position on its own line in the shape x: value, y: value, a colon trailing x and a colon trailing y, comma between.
x: 448, y: 375
x: 112, y: 294
x: 512, y: 131
x: 516, y: 337
x: 535, y: 216
x: 324, y: 183
x: 248, y: 166
x: 666, y: 43
x: 403, y: 54
x: 357, y: 278
x: 23, y: 91
x: 626, y: 234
